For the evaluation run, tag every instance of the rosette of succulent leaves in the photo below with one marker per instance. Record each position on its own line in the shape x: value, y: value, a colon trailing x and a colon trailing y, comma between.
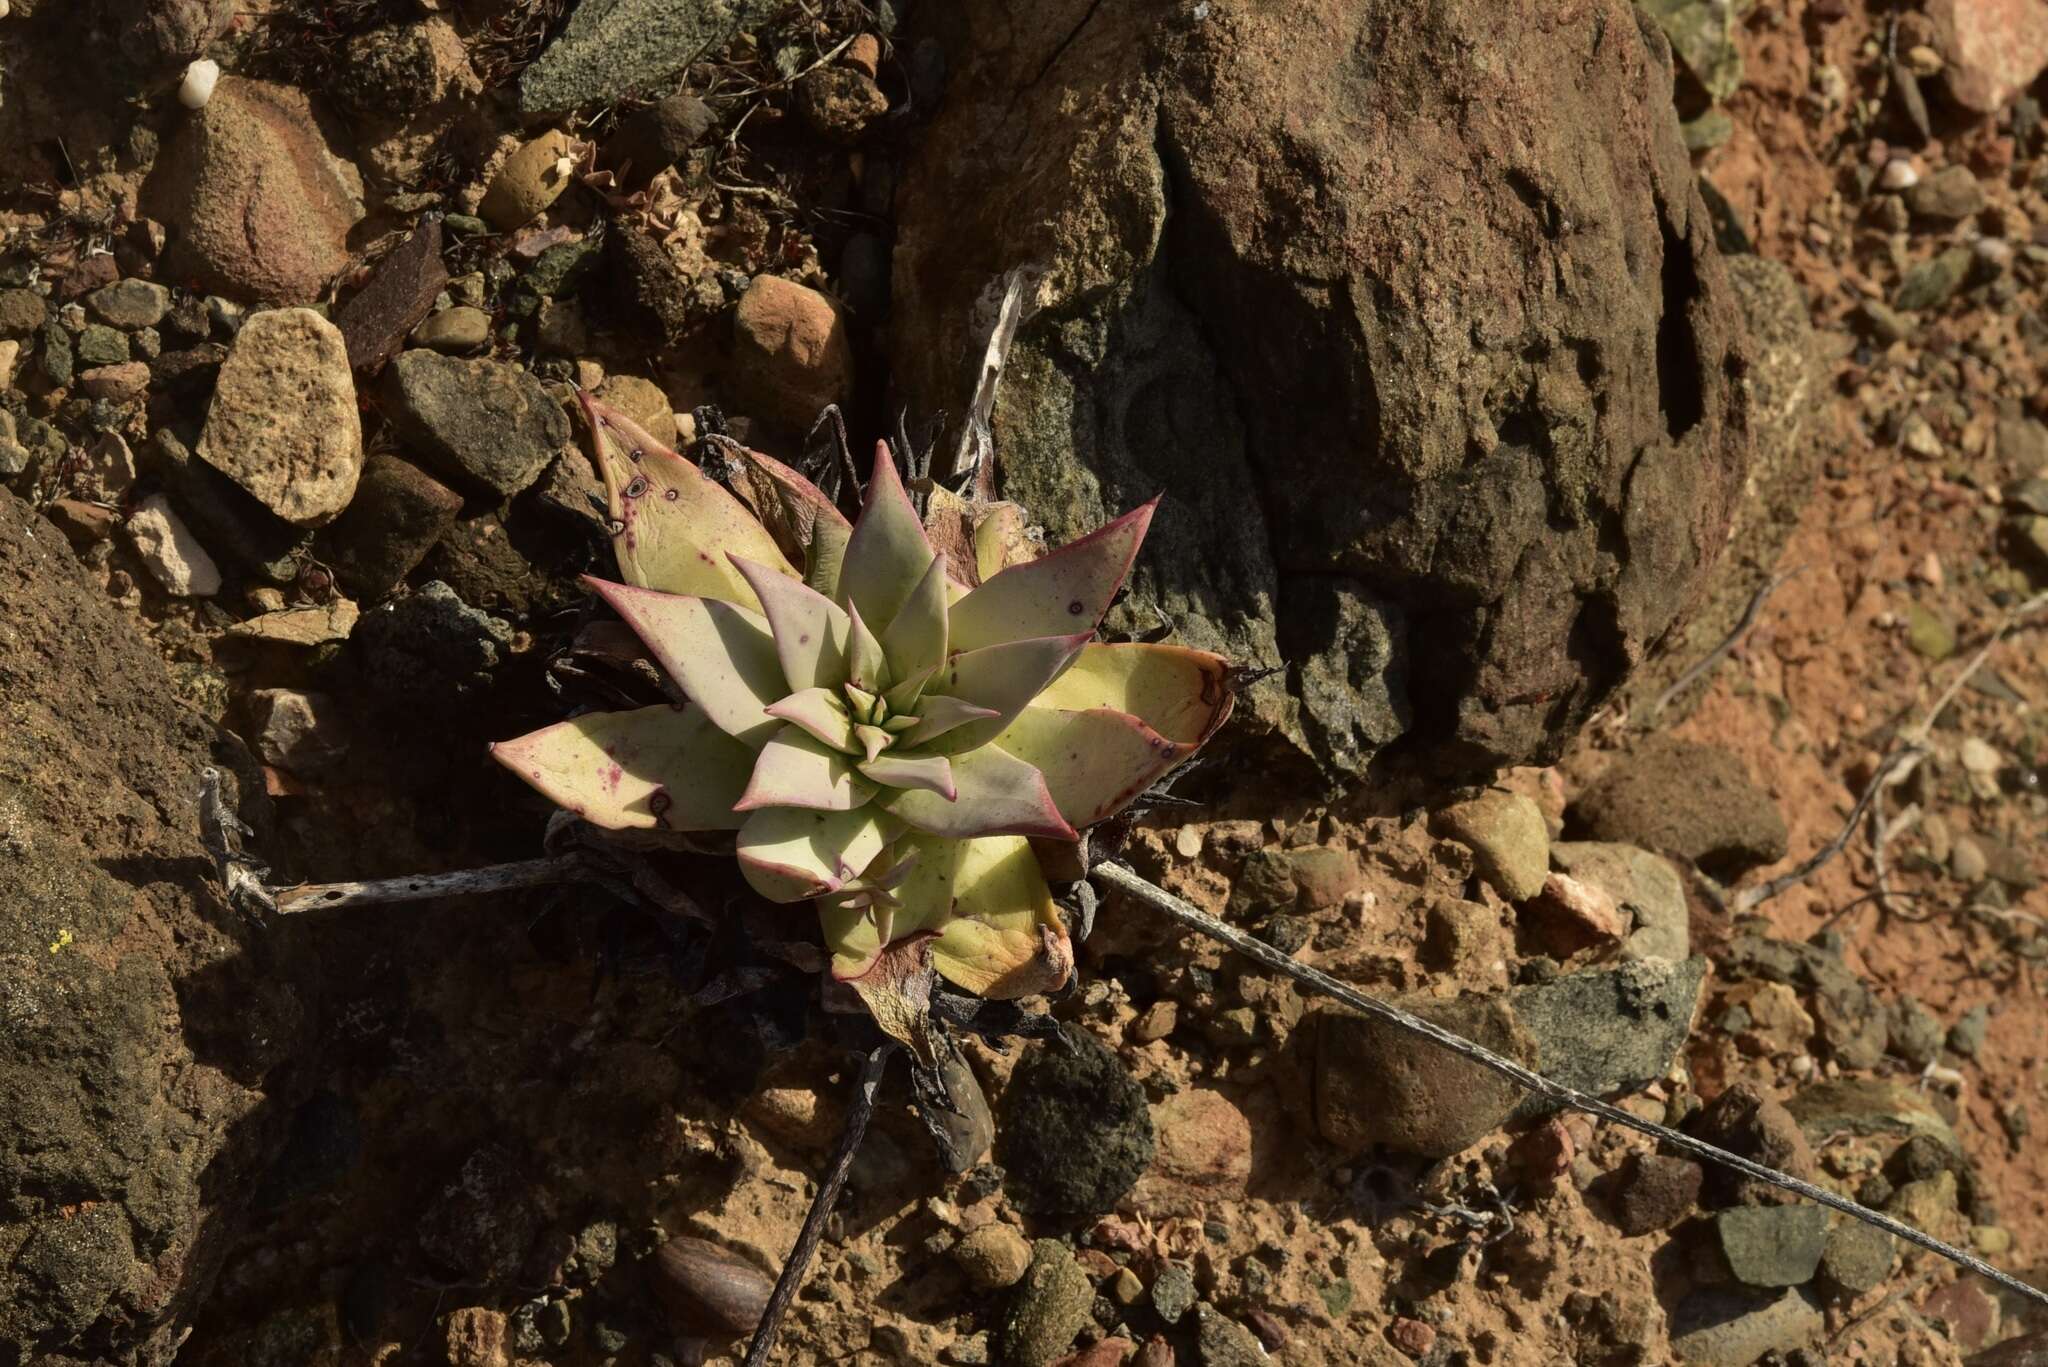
x: 886, y: 726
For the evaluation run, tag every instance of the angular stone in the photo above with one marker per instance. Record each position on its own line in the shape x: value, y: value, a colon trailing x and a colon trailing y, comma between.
x: 1656, y: 1192
x: 1702, y: 37
x: 615, y: 47
x: 101, y: 345
x: 1509, y: 841
x: 1753, y: 1125
x: 225, y: 515
x: 123, y: 383
x: 1772, y: 1246
x: 260, y: 201
x: 1930, y: 283
x: 22, y: 311
x: 399, y: 294
x: 1608, y: 1029
x: 1204, y: 1155
x: 1643, y: 885
x: 1858, y: 1257
x: 283, y: 423
x: 482, y: 422
x: 170, y: 550
x: 308, y: 626
x: 1375, y: 1084
x: 656, y: 137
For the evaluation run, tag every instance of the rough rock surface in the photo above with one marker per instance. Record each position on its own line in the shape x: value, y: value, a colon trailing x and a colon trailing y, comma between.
x: 259, y: 203
x: 1074, y: 1133
x: 1524, y: 430
x: 482, y: 422
x: 127, y: 1112
x: 1378, y: 1085
x: 1684, y: 799
x: 611, y: 47
x: 283, y: 424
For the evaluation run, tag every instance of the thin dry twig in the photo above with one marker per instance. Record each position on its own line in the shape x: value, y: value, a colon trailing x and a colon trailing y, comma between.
x: 1749, y: 899
x: 1128, y: 882
x: 798, y: 1263
x: 527, y: 873
x: 1728, y: 643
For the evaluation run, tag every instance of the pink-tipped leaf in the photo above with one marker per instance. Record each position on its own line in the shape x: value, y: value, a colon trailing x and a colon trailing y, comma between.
x: 653, y: 768
x: 1002, y: 678
x: 720, y: 654
x: 933, y: 773
x: 995, y: 793
x: 789, y: 854
x: 1182, y: 694
x: 796, y: 770
x: 810, y: 629
x: 1064, y: 591
x: 1095, y: 762
x: 888, y: 553
x: 821, y: 712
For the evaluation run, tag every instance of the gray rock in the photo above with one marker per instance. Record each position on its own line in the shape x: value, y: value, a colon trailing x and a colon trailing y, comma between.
x: 1949, y: 195
x: 225, y: 515
x: 283, y: 423
x: 1930, y: 283
x: 161, y: 35
x: 1509, y: 841
x: 100, y: 345
x: 1375, y: 1084
x: 1690, y: 801
x: 1076, y: 1132
x: 658, y: 136
x: 1916, y: 1032
x: 1173, y: 1292
x: 1966, y: 1036
x: 1643, y: 885
x: 1754, y: 1125
x: 1771, y: 1246
x: 1702, y: 38
x: 57, y: 357
x: 1350, y: 497
x: 484, y: 423
x: 1884, y: 322
x: 1051, y: 1305
x: 1857, y: 1258
x: 1719, y: 1328
x: 130, y: 304
x: 1609, y: 1029
x: 430, y: 650
x: 1221, y: 1341
x: 612, y: 48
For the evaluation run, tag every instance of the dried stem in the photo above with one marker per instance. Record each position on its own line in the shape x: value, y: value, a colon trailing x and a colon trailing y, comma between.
x: 798, y: 1264
x: 1728, y: 643
x: 527, y: 873
x: 1125, y: 881
x: 1749, y: 899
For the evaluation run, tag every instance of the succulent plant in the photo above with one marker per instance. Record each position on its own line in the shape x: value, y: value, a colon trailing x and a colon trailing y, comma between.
x: 886, y: 731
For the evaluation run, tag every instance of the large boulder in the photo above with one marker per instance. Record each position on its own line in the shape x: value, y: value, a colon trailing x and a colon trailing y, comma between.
x: 137, y: 1023
x: 1430, y: 349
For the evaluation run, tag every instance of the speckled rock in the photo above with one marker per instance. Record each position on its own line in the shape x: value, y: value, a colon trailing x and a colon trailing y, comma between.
x: 1050, y: 1306
x: 283, y: 423
x: 1074, y: 1132
x: 481, y: 422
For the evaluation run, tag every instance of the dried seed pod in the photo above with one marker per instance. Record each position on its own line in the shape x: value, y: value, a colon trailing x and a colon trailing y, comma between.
x: 708, y: 1289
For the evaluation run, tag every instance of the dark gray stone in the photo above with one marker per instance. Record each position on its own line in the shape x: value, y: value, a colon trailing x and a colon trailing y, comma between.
x: 1733, y: 1328
x: 1857, y: 1258
x: 482, y: 422
x: 1075, y: 1132
x: 399, y: 511
x: 1050, y: 1306
x: 1772, y: 1246
x: 1608, y: 1029
x: 1930, y: 283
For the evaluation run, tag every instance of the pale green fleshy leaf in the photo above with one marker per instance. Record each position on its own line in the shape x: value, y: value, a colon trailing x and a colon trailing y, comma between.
x: 1002, y: 678
x: 1182, y: 694
x: 789, y: 854
x: 1094, y: 762
x: 888, y: 553
x: 797, y: 770
x: 915, y: 642
x: 867, y: 668
x: 662, y: 767
x: 872, y: 740
x: 995, y: 794
x: 998, y: 932
x: 821, y: 712
x: 938, y: 714
x: 674, y: 526
x: 720, y: 654
x: 810, y: 629
x: 934, y: 773
x: 904, y: 693
x: 1062, y: 592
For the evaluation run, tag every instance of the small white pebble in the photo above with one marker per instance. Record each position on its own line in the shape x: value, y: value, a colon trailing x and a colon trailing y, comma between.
x: 197, y: 87
x: 5, y: 9
x: 1898, y: 174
